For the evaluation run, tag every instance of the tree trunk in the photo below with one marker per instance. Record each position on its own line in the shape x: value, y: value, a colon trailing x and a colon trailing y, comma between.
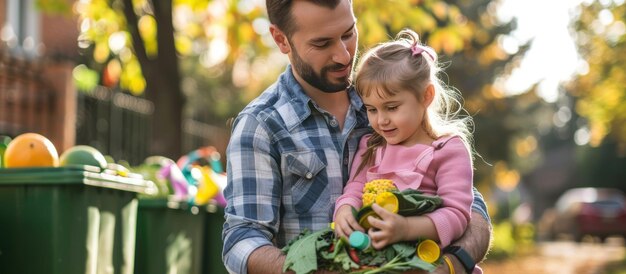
x: 162, y: 80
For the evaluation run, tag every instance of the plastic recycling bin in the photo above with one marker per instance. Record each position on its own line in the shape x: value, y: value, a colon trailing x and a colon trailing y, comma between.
x: 176, y: 237
x: 213, y: 225
x: 68, y: 220
x: 169, y: 237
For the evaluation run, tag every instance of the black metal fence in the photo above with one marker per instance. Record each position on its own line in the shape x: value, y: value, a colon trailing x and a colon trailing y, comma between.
x: 27, y: 103
x: 118, y: 125
x: 115, y: 123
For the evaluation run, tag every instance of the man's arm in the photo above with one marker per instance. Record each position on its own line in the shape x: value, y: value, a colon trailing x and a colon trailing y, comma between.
x: 476, y: 241
x: 266, y: 259
x: 269, y: 259
x: 477, y: 237
x: 253, y: 197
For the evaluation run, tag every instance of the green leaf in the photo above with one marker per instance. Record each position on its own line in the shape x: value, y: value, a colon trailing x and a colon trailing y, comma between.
x: 404, y: 250
x: 302, y: 252
x: 343, y: 259
x: 416, y: 262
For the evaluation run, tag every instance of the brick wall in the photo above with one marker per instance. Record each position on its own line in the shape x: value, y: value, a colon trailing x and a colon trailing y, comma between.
x: 38, y: 94
x: 37, y: 97
x: 59, y: 34
x: 2, y: 12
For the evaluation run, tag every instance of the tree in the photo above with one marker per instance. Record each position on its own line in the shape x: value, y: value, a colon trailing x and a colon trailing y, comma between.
x: 136, y: 46
x: 601, y: 89
x: 474, y: 71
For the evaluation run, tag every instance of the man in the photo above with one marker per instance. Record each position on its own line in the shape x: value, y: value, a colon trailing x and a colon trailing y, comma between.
x: 291, y: 148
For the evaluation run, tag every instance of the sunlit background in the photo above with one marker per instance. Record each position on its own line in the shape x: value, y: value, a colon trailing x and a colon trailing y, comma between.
x: 544, y: 81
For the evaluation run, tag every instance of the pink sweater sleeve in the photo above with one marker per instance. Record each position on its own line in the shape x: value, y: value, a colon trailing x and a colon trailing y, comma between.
x: 453, y: 177
x: 353, y: 191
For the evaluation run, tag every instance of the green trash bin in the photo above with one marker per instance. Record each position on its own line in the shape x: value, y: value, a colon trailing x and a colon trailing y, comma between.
x: 170, y: 236
x: 214, y: 222
x: 68, y: 220
x: 175, y: 237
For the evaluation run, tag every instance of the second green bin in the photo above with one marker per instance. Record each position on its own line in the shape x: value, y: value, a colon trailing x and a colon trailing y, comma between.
x: 175, y: 237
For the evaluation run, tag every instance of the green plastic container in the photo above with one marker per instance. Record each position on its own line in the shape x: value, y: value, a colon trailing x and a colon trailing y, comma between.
x: 169, y: 237
x: 213, y: 225
x: 175, y: 237
x: 68, y: 220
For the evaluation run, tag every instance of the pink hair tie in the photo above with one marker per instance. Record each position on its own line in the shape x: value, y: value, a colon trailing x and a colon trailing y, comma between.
x: 417, y: 49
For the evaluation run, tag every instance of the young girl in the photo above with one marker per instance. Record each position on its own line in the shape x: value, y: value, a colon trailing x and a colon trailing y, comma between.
x: 419, y: 142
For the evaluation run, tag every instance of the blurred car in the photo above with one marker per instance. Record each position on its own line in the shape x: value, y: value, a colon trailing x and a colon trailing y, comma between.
x: 599, y: 212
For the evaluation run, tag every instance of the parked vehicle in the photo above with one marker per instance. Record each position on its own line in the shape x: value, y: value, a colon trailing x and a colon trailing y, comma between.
x: 590, y: 211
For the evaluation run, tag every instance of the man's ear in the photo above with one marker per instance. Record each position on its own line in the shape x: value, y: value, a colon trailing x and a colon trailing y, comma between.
x: 429, y: 95
x: 280, y: 39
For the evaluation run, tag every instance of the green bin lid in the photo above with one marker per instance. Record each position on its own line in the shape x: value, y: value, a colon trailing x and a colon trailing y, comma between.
x: 172, y: 202
x: 87, y: 175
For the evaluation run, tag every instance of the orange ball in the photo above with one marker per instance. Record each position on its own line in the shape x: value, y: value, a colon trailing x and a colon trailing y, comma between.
x: 31, y: 150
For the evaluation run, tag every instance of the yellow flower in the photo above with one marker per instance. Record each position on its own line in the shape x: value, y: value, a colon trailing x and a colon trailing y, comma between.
x: 375, y: 187
x: 368, y: 198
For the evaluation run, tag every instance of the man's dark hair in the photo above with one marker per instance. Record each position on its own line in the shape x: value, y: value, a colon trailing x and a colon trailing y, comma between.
x: 279, y: 12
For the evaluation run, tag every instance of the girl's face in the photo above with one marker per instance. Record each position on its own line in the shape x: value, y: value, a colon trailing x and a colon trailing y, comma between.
x: 397, y: 118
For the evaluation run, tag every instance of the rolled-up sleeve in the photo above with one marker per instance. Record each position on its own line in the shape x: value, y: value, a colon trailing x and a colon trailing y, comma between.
x: 479, y: 205
x: 252, y: 193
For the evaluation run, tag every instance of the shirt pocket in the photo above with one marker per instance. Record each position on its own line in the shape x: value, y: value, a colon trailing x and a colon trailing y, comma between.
x: 309, y: 191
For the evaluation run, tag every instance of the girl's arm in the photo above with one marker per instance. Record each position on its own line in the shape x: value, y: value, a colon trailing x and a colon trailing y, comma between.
x: 454, y: 179
x: 392, y: 228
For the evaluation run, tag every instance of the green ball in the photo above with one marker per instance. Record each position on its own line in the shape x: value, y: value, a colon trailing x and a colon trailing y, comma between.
x: 83, y: 155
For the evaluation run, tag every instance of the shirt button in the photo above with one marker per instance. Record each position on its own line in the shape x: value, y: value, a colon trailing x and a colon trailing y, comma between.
x: 308, y: 175
x: 345, y: 161
x: 333, y: 122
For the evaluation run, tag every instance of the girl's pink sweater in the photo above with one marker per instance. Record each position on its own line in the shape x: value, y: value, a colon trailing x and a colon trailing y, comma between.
x: 443, y: 168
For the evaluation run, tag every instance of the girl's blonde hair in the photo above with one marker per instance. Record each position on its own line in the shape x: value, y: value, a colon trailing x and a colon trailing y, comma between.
x: 406, y: 65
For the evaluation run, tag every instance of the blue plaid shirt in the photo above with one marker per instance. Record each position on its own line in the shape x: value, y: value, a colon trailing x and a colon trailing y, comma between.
x: 287, y: 162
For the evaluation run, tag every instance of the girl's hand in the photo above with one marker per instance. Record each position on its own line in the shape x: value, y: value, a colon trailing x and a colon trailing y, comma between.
x: 390, y: 228
x: 345, y: 223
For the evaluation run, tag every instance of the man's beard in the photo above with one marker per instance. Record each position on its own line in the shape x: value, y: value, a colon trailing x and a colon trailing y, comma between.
x: 321, y: 81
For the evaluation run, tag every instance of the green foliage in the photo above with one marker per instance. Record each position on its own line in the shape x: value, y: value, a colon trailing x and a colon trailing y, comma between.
x: 4, y: 142
x: 312, y: 251
x: 511, y: 240
x: 600, y: 90
x: 85, y: 78
x: 226, y: 32
x: 62, y: 7
x: 301, y: 253
x: 617, y: 268
x: 441, y: 24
